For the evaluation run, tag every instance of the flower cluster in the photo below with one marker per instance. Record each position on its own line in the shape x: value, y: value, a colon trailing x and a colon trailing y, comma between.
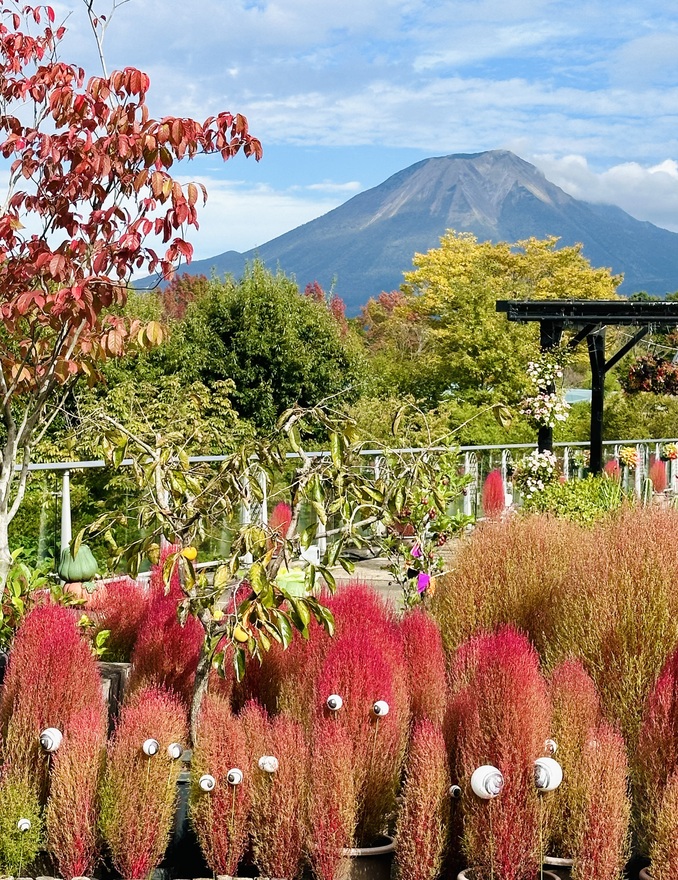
x: 669, y: 451
x: 628, y: 455
x: 581, y: 458
x: 535, y: 471
x: 653, y: 374
x: 545, y: 408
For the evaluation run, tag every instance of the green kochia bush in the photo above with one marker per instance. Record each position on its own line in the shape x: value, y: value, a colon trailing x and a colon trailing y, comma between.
x: 18, y: 850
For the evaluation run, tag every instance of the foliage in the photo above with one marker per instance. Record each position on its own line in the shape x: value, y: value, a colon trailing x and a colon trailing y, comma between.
x: 576, y: 711
x: 138, y: 792
x: 420, y: 844
x: 442, y: 332
x: 582, y: 501
x: 547, y: 405
x: 501, y: 707
x: 279, y: 801
x: 18, y: 850
x: 494, y: 494
x: 67, y: 248
x: 52, y: 677
x: 278, y: 347
x: 25, y: 588
x: 220, y: 817
x: 426, y: 672
x: 332, y: 798
x: 602, y: 848
x: 72, y: 808
x: 649, y: 372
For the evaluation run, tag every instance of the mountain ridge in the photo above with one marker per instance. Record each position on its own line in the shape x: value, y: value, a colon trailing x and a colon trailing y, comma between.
x: 364, y: 245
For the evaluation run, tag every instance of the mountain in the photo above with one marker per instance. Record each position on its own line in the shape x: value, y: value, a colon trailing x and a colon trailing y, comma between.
x: 364, y: 246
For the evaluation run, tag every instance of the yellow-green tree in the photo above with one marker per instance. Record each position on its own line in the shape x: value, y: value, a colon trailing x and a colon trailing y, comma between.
x: 456, y: 342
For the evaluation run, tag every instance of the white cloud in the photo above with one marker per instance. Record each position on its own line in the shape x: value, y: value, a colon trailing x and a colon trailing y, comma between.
x: 645, y: 192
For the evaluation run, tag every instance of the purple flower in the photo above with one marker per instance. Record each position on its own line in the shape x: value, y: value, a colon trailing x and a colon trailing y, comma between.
x: 416, y: 551
x: 423, y: 582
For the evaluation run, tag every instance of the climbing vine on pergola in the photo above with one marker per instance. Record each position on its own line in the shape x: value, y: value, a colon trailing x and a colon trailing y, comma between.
x: 589, y: 320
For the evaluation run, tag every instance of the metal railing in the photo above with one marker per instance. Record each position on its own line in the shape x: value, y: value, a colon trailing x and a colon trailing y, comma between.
x: 475, y: 461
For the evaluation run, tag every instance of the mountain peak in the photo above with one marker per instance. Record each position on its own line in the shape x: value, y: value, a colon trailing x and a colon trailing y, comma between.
x: 364, y: 246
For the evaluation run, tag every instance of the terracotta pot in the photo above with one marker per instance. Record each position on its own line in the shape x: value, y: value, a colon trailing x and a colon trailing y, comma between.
x: 369, y: 862
x: 645, y: 873
x: 469, y: 874
x: 562, y: 868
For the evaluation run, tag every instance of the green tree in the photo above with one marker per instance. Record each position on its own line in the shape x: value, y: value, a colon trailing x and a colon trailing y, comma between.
x: 278, y: 347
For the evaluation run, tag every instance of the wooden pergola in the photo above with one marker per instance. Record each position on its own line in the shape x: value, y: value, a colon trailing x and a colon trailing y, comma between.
x: 589, y: 319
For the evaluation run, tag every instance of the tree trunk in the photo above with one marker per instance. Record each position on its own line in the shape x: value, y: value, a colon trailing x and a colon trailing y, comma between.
x: 202, y: 678
x: 5, y: 554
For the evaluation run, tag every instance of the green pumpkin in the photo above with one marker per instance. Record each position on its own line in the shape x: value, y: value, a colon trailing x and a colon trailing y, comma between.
x: 82, y: 568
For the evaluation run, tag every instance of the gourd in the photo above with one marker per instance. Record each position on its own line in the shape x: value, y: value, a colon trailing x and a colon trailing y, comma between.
x: 82, y: 568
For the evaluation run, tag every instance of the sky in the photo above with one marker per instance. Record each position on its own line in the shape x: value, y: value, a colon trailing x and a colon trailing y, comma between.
x: 344, y: 93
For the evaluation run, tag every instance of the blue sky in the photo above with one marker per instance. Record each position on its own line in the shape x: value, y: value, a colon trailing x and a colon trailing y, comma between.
x: 344, y: 93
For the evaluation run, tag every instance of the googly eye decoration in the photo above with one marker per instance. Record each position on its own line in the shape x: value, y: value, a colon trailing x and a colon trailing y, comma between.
x: 175, y: 751
x: 207, y: 782
x: 23, y: 825
x: 150, y: 747
x: 548, y: 774
x: 50, y: 739
x: 334, y: 702
x: 234, y: 776
x: 487, y: 782
x: 551, y: 746
x: 455, y: 792
x: 380, y: 708
x: 268, y: 763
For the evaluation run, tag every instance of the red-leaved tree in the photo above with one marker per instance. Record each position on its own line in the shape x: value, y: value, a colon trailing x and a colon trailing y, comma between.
x: 89, y: 182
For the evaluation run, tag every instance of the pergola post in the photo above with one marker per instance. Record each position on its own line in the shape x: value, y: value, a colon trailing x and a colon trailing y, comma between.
x: 596, y: 344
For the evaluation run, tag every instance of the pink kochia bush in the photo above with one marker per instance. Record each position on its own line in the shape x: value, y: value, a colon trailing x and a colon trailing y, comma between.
x: 425, y: 662
x: 51, y: 680
x: 332, y: 798
x: 657, y: 473
x: 421, y: 833
x: 220, y: 817
x: 72, y: 808
x: 166, y: 653
x: 138, y: 793
x: 363, y: 672
x: 493, y: 496
x: 119, y: 607
x: 602, y: 848
x: 499, y: 715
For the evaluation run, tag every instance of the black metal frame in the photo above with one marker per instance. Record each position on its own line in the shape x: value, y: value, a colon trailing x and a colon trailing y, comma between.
x: 589, y: 318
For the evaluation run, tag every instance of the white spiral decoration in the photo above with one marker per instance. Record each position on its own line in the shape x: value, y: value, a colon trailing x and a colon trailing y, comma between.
x: 50, y: 739
x: 548, y: 774
x: 207, y: 782
x: 380, y: 708
x: 23, y: 825
x: 269, y: 764
x: 334, y: 702
x: 175, y: 751
x: 234, y: 776
x: 487, y: 782
x: 150, y: 747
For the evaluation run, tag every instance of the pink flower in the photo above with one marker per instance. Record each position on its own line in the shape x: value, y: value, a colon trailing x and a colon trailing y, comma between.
x: 416, y: 551
x: 423, y: 582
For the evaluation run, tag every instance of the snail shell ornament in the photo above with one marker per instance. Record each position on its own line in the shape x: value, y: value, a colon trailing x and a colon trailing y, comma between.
x: 551, y: 746
x: 207, y: 782
x: 50, y: 739
x: 23, y: 825
x: 234, y: 776
x: 268, y: 763
x: 380, y: 708
x: 487, y: 782
x: 175, y: 751
x: 334, y: 702
x: 548, y: 774
x: 150, y: 747
x: 455, y: 792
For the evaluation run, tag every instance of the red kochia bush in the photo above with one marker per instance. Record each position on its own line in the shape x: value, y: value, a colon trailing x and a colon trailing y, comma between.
x: 220, y: 817
x: 602, y: 848
x: 425, y: 661
x: 361, y: 673
x: 332, y: 798
x: 500, y: 715
x: 494, y: 496
x: 120, y: 607
x: 166, y: 654
x: 72, y: 808
x: 52, y: 677
x: 279, y: 800
x: 613, y: 469
x: 421, y: 832
x: 138, y: 794
x: 657, y: 474
x: 280, y: 519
